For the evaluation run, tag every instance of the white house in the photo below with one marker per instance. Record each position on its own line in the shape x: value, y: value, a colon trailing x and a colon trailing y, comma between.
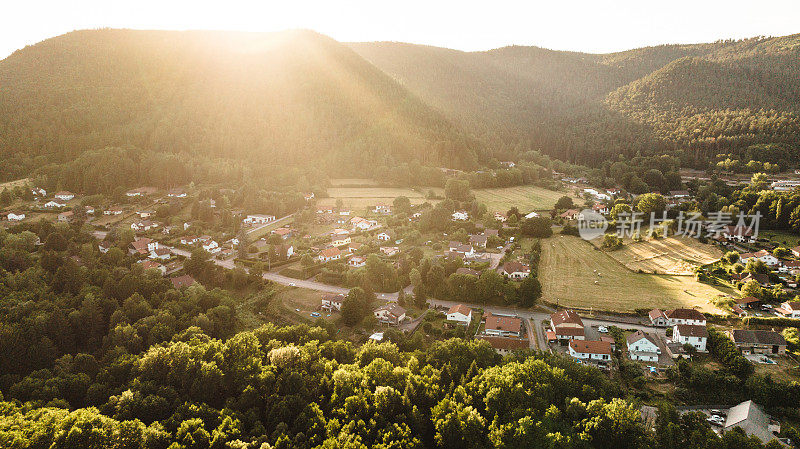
x: 460, y: 215
x: 642, y: 347
x: 593, y: 352
x: 211, y: 246
x: 460, y: 314
x: 38, y: 191
x: 357, y: 261
x: 390, y: 314
x: 258, y: 219
x: 503, y: 326
x: 362, y: 224
x: 383, y: 209
x: 54, y: 204
x: 685, y: 316
x: 742, y: 234
x: 176, y: 193
x: 189, y: 240
x: 329, y: 254
x: 161, y: 253
x: 15, y: 216
x: 658, y: 318
x: 516, y: 270
x: 693, y: 335
x: 384, y: 237
x: 64, y: 196
x: 112, y: 211
x: 144, y: 225
x: 332, y: 302
x: 763, y: 255
x: 789, y: 309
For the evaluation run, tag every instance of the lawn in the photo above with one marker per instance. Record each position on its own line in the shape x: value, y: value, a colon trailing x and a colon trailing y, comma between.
x: 782, y: 237
x: 526, y: 198
x: 360, y: 182
x: 674, y: 255
x: 12, y: 184
x: 575, y: 274
x: 359, y: 198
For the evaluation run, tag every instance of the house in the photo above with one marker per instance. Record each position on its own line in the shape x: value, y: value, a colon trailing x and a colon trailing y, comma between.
x: 382, y: 209
x: 566, y: 325
x: 390, y: 250
x: 153, y: 265
x: 504, y: 345
x: 134, y: 193
x: 691, y: 334
x: 66, y: 217
x: 161, y: 253
x: 332, y: 302
x: 600, y: 208
x: 500, y: 217
x: 283, y: 251
x: 742, y: 234
x: 176, y: 193
x: 761, y: 278
x: 285, y: 233
x: 341, y: 240
x: 685, y: 316
x: 38, y: 191
x: 462, y: 248
x: 64, y: 195
x: 182, y: 281
x: 796, y: 251
x: 189, y: 240
x: 503, y: 326
x: 258, y: 219
x: 211, y: 246
x: 658, y: 318
x: 355, y: 247
x: 329, y: 254
x: 570, y: 214
x: 376, y: 336
x: 54, y: 205
x: 758, y: 341
x: 460, y: 215
x: 390, y: 314
x: 642, y: 347
x: 145, y: 214
x: 679, y: 194
x: 143, y: 246
x: 344, y: 212
x: 591, y: 352
x: 104, y: 246
x: 113, y: 211
x: 384, y: 237
x: 762, y: 255
x: 748, y: 302
x: 324, y: 209
x: 789, y: 309
x: 753, y: 421
x: 469, y: 271
x: 784, y: 186
x: 460, y: 314
x: 478, y: 240
x: 309, y: 196
x: 15, y: 216
x: 144, y: 225
x: 531, y: 215
x: 516, y: 270
x: 362, y: 224
x: 357, y: 261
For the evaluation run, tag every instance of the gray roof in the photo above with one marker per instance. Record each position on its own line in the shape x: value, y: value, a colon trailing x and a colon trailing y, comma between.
x: 751, y: 419
x: 760, y: 337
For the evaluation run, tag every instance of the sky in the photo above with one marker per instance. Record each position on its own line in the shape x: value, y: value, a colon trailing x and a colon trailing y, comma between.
x: 596, y: 26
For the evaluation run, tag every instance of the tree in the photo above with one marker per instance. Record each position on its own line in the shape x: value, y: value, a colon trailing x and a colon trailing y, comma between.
x: 620, y: 208
x: 540, y: 227
x: 457, y: 190
x: 752, y: 288
x: 355, y: 306
x: 530, y: 290
x: 402, y: 204
x: 611, y: 241
x: 565, y: 202
x: 651, y: 203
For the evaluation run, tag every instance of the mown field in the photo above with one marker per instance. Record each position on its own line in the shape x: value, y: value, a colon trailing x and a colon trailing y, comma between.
x: 675, y: 255
x: 359, y: 198
x: 575, y: 274
x: 526, y: 198
x: 12, y: 184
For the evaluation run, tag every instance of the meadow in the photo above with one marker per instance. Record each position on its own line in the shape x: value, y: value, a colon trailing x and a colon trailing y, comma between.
x: 525, y: 198
x: 574, y: 273
x: 674, y: 255
x: 359, y: 198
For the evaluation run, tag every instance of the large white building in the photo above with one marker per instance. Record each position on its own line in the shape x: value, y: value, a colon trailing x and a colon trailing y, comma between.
x: 642, y: 347
x: 593, y: 352
x: 460, y: 314
x: 696, y: 336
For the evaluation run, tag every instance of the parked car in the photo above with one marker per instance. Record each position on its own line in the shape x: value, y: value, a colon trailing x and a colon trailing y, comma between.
x: 315, y: 314
x: 716, y: 420
x: 602, y: 329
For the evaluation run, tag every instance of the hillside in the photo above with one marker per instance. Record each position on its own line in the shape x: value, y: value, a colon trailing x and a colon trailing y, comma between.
x: 287, y: 98
x: 691, y: 100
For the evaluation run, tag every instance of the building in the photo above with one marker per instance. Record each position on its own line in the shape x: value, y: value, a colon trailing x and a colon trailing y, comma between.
x: 503, y: 326
x: 113, y: 211
x: 143, y: 246
x: 566, y: 325
x: 258, y: 219
x: 469, y: 271
x: 390, y: 251
x: 658, y: 318
x: 211, y: 246
x: 696, y: 336
x: 758, y: 341
x: 789, y: 309
x: 751, y: 418
x: 329, y: 254
x: 478, y: 240
x: 460, y: 215
x: 570, y: 214
x: 153, y: 265
x: 357, y: 261
x: 679, y: 194
x: 142, y: 226
x: 516, y: 270
x: 285, y: 233
x: 332, y: 302
x: 341, y: 240
x: 685, y: 316
x: 390, y: 314
x: 460, y: 314
x: 504, y: 345
x: 382, y: 209
x: 104, y: 246
x: 144, y: 214
x: 642, y: 347
x: 741, y: 234
x: 591, y: 352
x: 54, y: 205
x: 176, y: 193
x: 461, y: 248
x: 64, y: 195
x: 384, y: 237
x: 15, y: 216
x: 182, y: 281
x: 762, y: 255
x: 161, y: 253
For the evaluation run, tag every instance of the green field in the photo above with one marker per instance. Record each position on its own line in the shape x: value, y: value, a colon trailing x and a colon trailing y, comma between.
x: 525, y: 198
x: 575, y: 274
x: 359, y: 198
x: 781, y: 237
x: 12, y: 184
x: 674, y: 255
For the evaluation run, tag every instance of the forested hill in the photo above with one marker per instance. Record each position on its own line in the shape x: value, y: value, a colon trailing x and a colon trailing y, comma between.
x: 690, y: 100
x: 290, y: 97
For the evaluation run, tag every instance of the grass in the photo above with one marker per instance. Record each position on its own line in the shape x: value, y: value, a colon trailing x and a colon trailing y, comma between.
x: 574, y: 274
x: 339, y: 182
x: 12, y: 184
x: 787, y: 238
x: 526, y: 198
x: 674, y: 255
x: 359, y: 198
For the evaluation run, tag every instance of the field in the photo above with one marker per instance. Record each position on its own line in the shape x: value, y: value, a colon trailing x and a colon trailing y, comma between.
x: 675, y: 255
x: 575, y: 274
x: 781, y: 237
x: 12, y: 184
x: 359, y: 198
x: 526, y: 198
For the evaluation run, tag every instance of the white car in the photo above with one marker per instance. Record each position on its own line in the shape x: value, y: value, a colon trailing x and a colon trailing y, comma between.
x: 716, y: 420
x: 602, y: 329
x: 292, y: 284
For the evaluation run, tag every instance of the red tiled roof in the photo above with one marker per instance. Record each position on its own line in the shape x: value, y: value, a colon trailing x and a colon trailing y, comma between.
x: 503, y: 323
x: 590, y: 347
x: 460, y: 308
x: 685, y: 314
x: 565, y: 316
x: 182, y: 281
x: 688, y: 330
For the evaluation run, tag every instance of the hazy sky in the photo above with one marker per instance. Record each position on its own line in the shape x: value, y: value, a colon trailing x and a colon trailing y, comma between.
x: 586, y: 25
